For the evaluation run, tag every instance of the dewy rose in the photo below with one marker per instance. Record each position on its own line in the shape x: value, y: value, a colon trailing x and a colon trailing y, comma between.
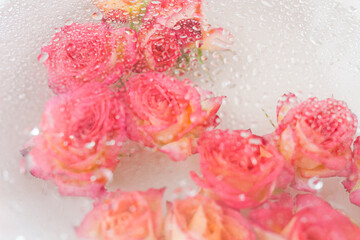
x: 239, y: 169
x: 124, y: 216
x: 201, y: 218
x: 168, y: 114
x: 182, y: 16
x: 186, y: 19
x: 81, y: 136
x: 82, y: 53
x: 315, y: 136
x: 157, y: 48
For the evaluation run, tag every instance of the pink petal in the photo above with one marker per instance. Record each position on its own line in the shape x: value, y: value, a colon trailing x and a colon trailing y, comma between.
x: 217, y: 39
x: 286, y: 102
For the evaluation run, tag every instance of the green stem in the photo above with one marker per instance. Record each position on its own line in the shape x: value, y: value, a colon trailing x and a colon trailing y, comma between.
x: 267, y: 116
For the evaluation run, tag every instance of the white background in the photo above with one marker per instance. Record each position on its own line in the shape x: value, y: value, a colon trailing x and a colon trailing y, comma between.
x: 309, y: 47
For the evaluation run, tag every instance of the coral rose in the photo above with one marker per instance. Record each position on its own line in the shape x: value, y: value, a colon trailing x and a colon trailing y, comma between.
x: 81, y: 136
x: 201, y: 218
x: 352, y: 183
x: 239, y: 169
x: 168, y: 114
x: 81, y: 53
x: 121, y: 10
x: 123, y: 216
x: 315, y: 136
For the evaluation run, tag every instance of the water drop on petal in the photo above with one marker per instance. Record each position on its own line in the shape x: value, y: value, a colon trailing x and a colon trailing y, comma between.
x: 315, y: 183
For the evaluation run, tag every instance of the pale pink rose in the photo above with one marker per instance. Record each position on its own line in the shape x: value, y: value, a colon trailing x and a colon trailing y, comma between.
x: 315, y: 219
x: 352, y: 183
x: 186, y: 19
x: 239, y: 169
x: 157, y: 48
x: 201, y: 218
x: 168, y: 114
x: 124, y: 216
x: 81, y: 136
x: 315, y: 136
x: 81, y: 53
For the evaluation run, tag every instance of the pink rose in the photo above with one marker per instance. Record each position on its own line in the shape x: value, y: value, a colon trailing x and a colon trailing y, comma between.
x: 310, y: 219
x: 168, y: 114
x: 183, y: 16
x: 186, y: 19
x: 352, y: 183
x: 82, y: 53
x: 200, y: 218
x: 124, y: 216
x: 81, y: 136
x: 239, y: 169
x: 315, y: 219
x: 157, y: 47
x: 315, y: 136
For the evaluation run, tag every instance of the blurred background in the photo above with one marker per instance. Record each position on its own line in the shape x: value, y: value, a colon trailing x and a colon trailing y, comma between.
x: 308, y: 47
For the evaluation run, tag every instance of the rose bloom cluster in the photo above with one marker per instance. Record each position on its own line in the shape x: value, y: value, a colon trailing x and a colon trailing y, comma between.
x: 246, y: 183
x: 114, y: 85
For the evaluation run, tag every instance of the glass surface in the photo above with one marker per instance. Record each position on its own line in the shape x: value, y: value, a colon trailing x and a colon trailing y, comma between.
x: 308, y: 47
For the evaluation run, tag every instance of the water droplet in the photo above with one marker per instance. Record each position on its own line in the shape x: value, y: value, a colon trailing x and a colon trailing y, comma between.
x: 90, y: 145
x: 352, y: 9
x: 266, y: 3
x: 315, y: 183
x: 68, y: 22
x: 97, y: 16
x: 111, y: 142
x: 93, y: 178
x: 241, y: 197
x: 315, y: 41
x: 106, y: 173
x: 35, y: 131
x: 255, y: 141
